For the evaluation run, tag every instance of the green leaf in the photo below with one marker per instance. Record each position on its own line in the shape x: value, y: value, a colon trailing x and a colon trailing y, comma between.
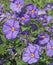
x: 20, y: 62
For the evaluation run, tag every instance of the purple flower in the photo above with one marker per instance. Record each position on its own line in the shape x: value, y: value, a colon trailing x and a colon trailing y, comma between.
x: 48, y: 29
x: 12, y: 0
x: 40, y: 18
x: 25, y: 32
x: 24, y: 40
x: 51, y: 63
x: 10, y: 15
x: 2, y: 16
x: 11, y: 28
x: 43, y: 38
x: 32, y: 11
x: 2, y: 59
x: 49, y: 48
x: 17, y: 5
x: 33, y: 27
x: 48, y: 6
x: 30, y: 54
x: 48, y: 19
x: 24, y: 18
x: 41, y: 12
x: 39, y: 49
x: 1, y: 13
x: 13, y: 51
x: 44, y: 19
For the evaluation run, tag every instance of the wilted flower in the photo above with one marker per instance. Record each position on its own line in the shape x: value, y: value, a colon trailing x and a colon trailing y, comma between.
x: 33, y: 27
x: 32, y: 11
x: 17, y: 5
x: 2, y: 16
x: 2, y: 59
x: 48, y: 29
x: 11, y: 28
x: 49, y: 48
x: 12, y: 0
x: 41, y: 12
x: 30, y: 54
x: 48, y: 6
x: 43, y: 38
x: 48, y: 19
x: 10, y: 15
x: 1, y: 13
x: 44, y: 19
x: 25, y: 32
x: 12, y: 51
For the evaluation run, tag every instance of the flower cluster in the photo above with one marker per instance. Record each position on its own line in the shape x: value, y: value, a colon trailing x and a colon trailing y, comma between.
x: 21, y: 15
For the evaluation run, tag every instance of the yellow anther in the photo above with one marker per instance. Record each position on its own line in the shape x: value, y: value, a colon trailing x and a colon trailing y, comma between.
x: 23, y: 18
x: 12, y: 29
x: 43, y: 36
x: 33, y: 11
x: 32, y: 55
x: 52, y: 47
x: 19, y: 5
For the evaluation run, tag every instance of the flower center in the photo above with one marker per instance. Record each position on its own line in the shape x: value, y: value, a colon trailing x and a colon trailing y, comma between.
x: 32, y: 55
x: 52, y: 47
x: 12, y: 28
x: 43, y: 36
x: 32, y: 10
x: 41, y: 18
x: 49, y: 6
x: 23, y: 18
x: 19, y: 5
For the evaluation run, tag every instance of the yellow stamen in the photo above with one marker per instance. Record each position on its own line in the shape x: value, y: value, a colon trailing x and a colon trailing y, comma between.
x: 33, y: 11
x: 52, y: 47
x: 19, y: 5
x: 23, y: 18
x: 43, y: 36
x: 32, y: 55
x: 12, y: 29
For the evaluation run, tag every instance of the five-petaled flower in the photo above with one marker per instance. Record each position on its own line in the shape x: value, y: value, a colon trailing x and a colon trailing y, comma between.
x: 11, y: 28
x: 17, y: 5
x: 30, y: 54
x: 49, y: 48
x: 43, y: 38
x: 24, y: 18
x: 32, y: 11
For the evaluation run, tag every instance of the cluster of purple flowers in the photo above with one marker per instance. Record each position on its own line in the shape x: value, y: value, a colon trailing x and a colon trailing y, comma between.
x: 21, y: 13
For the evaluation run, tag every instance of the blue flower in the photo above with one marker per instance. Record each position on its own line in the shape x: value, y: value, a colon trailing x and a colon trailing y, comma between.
x: 43, y: 38
x: 32, y: 11
x: 17, y: 5
x: 48, y: 6
x: 30, y: 54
